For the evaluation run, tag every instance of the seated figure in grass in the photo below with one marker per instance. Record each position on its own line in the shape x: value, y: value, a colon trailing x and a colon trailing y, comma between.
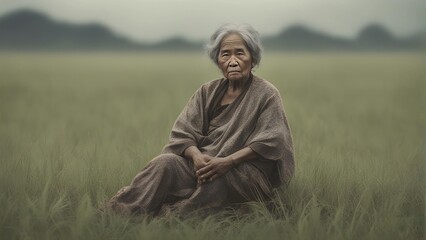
x: 230, y: 144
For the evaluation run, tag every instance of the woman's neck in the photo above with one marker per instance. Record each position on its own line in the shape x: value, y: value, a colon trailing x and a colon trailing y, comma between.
x: 237, y: 85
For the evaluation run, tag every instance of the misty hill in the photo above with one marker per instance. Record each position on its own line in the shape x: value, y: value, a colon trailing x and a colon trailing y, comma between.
x: 372, y: 37
x: 302, y: 38
x: 175, y: 44
x: 31, y: 30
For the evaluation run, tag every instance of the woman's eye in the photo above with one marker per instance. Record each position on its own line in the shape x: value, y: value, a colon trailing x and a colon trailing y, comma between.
x: 225, y: 56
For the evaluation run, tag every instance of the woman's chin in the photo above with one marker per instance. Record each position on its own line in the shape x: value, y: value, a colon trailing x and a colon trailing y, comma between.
x: 235, y: 77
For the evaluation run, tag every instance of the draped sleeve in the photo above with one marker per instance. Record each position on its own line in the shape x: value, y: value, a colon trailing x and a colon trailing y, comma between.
x: 271, y: 137
x: 188, y: 128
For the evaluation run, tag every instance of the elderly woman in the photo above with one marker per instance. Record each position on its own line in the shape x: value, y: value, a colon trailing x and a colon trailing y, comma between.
x: 230, y: 144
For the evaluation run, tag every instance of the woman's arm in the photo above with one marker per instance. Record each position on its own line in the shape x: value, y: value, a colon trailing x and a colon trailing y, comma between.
x: 188, y: 127
x: 199, y: 159
x: 216, y: 167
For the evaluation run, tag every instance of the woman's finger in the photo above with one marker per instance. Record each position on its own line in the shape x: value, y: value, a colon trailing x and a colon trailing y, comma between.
x: 204, y: 170
x: 208, y: 174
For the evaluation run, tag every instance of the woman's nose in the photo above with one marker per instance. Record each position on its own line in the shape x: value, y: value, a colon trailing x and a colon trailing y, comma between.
x: 233, y: 62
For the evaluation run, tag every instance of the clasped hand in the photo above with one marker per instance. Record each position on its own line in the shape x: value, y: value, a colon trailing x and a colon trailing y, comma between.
x: 209, y: 168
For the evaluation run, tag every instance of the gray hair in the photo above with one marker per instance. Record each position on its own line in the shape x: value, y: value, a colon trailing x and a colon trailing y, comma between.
x: 250, y: 36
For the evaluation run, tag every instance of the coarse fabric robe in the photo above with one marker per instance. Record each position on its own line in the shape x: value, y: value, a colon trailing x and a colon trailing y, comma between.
x: 255, y: 119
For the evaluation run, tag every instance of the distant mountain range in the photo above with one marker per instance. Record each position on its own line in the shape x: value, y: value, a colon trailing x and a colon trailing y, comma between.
x: 28, y: 30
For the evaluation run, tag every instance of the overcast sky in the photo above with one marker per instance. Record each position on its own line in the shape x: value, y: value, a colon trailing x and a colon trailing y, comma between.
x: 151, y: 20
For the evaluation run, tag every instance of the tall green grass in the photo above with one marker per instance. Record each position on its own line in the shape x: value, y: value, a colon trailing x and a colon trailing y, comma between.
x: 76, y: 127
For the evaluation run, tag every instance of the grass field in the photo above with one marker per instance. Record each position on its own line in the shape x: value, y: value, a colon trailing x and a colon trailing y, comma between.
x: 76, y: 127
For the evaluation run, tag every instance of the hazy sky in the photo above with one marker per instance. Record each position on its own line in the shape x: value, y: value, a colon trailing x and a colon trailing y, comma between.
x: 151, y: 20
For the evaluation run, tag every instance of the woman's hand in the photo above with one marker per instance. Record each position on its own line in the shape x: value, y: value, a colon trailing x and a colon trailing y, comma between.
x: 214, y: 168
x: 200, y: 161
x: 209, y: 168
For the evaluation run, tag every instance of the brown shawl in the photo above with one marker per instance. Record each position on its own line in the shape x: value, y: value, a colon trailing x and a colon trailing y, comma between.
x: 255, y: 119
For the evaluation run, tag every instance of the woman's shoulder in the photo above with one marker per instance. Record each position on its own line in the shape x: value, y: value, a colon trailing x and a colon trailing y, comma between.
x: 210, y: 86
x: 263, y: 86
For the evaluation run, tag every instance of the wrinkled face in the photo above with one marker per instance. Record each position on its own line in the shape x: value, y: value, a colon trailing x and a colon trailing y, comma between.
x: 234, y: 59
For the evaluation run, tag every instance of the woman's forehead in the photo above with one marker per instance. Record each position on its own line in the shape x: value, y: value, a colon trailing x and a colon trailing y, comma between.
x: 232, y: 41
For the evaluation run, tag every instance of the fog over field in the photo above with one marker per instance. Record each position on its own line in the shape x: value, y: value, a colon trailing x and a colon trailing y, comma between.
x: 89, y: 91
x: 156, y: 20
